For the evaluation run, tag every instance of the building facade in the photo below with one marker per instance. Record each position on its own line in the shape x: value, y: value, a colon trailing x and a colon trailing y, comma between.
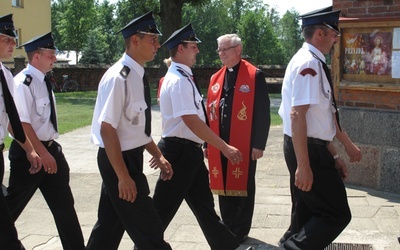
x: 31, y: 18
x: 366, y: 71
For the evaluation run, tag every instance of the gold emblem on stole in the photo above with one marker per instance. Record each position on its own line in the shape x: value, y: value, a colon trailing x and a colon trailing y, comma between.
x: 242, y: 113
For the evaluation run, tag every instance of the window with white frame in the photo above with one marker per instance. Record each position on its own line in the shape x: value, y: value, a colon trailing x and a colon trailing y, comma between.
x: 17, y: 40
x: 17, y: 3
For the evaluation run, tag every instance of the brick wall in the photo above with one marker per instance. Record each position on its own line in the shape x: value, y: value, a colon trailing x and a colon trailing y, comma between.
x: 369, y: 99
x: 88, y: 77
x: 364, y: 8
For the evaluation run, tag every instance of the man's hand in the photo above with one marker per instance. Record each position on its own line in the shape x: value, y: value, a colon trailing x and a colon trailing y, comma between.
x: 163, y: 165
x: 49, y: 163
x: 256, y: 154
x: 341, y: 168
x: 35, y: 160
x: 127, y: 189
x: 304, y: 178
x: 233, y: 154
x: 353, y: 152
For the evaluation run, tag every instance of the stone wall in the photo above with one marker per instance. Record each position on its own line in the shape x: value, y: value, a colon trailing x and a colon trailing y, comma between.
x: 378, y: 135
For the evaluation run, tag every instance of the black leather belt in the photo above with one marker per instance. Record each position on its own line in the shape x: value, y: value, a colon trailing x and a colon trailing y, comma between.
x: 47, y: 143
x: 184, y: 141
x: 311, y: 140
x: 317, y: 141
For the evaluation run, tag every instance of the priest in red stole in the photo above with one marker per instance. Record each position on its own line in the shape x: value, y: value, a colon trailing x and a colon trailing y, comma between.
x: 238, y: 110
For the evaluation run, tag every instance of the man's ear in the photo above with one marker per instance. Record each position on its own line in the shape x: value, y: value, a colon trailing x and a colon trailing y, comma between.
x: 320, y: 33
x: 180, y: 48
x: 134, y: 40
x: 36, y: 55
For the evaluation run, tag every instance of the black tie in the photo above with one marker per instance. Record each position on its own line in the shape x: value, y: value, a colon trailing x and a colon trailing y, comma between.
x: 11, y: 110
x: 202, y: 101
x: 328, y: 75
x: 147, y: 112
x: 53, y: 116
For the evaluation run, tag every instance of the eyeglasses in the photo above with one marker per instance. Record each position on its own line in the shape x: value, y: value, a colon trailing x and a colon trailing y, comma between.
x: 330, y: 27
x: 226, y: 49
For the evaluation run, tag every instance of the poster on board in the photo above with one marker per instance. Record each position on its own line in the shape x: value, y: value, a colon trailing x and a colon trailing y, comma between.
x: 367, y: 53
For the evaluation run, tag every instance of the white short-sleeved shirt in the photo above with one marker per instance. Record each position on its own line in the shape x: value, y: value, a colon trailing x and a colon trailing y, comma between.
x: 122, y: 105
x: 305, y: 83
x: 34, y: 103
x: 3, y: 114
x: 179, y: 97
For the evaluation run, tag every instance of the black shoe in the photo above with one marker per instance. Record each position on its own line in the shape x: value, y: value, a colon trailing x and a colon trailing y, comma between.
x: 241, y: 238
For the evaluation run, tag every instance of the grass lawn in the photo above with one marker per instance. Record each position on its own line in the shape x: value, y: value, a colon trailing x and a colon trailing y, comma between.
x: 75, y: 110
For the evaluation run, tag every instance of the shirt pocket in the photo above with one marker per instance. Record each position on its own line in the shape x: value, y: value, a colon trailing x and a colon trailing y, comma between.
x: 135, y: 113
x: 43, y: 108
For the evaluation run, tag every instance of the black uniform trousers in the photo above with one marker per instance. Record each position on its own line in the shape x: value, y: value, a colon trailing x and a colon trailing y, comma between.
x: 139, y: 219
x: 320, y: 215
x: 190, y: 182
x: 54, y: 188
x: 8, y: 233
x: 237, y: 211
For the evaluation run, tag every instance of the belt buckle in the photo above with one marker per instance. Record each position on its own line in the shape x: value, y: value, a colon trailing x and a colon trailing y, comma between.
x: 50, y: 143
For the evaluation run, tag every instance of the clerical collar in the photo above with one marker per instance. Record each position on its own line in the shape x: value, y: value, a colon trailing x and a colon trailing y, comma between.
x: 234, y: 68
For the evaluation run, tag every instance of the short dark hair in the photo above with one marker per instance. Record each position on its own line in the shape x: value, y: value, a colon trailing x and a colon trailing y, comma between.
x: 128, y: 39
x: 309, y: 31
x: 173, y: 51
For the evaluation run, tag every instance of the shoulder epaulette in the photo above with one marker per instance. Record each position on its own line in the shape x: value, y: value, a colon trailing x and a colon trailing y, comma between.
x: 125, y: 71
x: 28, y: 80
x: 183, y: 73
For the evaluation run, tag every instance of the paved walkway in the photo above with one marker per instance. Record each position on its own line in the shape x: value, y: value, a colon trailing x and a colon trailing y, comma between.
x: 375, y: 214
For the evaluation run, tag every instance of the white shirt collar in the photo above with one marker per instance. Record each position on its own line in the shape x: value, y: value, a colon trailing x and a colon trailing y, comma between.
x: 39, y: 74
x: 131, y: 63
x: 183, y: 66
x: 311, y: 47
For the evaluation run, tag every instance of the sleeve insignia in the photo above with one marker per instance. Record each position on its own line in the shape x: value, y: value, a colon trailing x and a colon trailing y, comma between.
x: 28, y: 80
x: 125, y: 71
x: 307, y: 71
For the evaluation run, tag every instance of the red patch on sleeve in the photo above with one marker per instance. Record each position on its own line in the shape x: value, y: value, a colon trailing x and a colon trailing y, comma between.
x: 307, y: 71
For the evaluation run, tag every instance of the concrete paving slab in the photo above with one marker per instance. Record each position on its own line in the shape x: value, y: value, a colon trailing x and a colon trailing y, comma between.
x: 375, y: 214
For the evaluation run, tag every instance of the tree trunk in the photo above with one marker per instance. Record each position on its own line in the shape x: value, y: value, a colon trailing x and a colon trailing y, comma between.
x: 171, y: 19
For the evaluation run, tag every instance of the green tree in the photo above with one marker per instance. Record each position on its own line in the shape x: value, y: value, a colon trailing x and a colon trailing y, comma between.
x: 209, y: 22
x: 290, y: 34
x: 75, y: 23
x: 92, y: 53
x: 107, y: 30
x: 58, y: 7
x: 259, y: 39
